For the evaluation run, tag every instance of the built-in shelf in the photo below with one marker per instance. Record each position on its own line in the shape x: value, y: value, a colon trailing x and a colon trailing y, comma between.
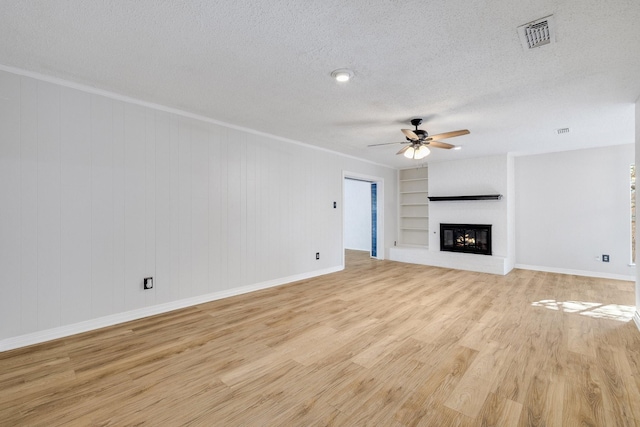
x: 413, y: 209
x: 465, y: 198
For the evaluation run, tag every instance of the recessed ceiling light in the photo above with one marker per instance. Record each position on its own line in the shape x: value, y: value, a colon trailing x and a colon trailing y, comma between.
x: 342, y: 75
x: 458, y: 147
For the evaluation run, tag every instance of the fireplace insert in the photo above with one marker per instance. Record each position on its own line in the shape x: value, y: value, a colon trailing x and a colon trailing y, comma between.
x: 468, y: 238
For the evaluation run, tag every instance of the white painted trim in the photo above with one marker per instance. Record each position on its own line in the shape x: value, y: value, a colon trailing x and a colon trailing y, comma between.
x: 361, y: 176
x: 577, y: 272
x: 114, y: 319
x: 160, y: 107
x: 636, y: 319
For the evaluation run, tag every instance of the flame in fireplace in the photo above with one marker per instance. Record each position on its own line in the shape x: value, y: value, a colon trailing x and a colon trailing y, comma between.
x: 466, y: 239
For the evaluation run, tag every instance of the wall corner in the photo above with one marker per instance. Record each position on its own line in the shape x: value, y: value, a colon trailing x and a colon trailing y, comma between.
x: 637, y: 161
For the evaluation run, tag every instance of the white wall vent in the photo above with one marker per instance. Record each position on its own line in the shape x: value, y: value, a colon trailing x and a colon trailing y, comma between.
x: 562, y: 130
x: 538, y: 33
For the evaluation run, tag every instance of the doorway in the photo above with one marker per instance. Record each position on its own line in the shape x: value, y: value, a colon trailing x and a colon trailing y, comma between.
x: 363, y: 214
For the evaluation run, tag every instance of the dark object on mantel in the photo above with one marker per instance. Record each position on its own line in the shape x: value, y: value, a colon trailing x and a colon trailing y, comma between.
x: 456, y: 198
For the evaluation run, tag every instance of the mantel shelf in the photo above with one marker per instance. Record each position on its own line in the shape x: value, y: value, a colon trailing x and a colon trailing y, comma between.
x: 465, y: 198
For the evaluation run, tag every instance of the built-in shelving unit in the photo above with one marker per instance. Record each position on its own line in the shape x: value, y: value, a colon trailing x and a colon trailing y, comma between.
x: 414, y: 207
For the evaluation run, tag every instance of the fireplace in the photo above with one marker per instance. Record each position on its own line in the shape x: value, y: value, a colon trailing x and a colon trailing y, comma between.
x: 468, y: 238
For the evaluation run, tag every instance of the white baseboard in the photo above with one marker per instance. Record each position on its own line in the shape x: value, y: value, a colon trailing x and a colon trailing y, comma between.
x: 630, y: 278
x: 114, y: 319
x: 636, y: 319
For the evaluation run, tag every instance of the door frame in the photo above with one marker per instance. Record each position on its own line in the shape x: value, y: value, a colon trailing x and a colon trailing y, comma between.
x: 379, y: 210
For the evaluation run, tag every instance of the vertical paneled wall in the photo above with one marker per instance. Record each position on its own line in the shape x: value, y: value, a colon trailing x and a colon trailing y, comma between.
x: 97, y: 193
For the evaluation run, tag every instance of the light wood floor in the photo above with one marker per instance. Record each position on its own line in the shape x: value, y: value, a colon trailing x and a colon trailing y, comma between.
x: 380, y: 344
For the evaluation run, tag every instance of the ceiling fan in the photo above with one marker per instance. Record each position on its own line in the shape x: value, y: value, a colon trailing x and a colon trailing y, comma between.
x: 419, y: 141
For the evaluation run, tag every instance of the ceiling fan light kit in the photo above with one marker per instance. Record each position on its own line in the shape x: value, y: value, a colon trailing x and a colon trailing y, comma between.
x: 420, y: 141
x: 417, y: 153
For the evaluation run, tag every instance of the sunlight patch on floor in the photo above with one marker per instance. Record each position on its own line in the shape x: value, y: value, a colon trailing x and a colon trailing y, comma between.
x: 621, y: 313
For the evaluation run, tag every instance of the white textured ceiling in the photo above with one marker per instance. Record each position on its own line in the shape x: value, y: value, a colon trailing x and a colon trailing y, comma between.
x: 265, y: 65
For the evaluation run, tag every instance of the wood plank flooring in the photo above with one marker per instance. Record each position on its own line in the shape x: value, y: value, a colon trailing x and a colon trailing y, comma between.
x: 380, y: 343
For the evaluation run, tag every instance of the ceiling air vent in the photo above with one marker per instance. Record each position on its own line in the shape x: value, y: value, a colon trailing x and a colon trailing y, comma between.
x: 562, y: 130
x: 537, y: 33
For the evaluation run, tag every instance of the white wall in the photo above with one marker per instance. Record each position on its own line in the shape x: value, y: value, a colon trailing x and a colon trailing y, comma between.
x: 637, y: 160
x: 511, y: 213
x: 97, y: 193
x: 572, y: 207
x: 357, y: 215
x: 487, y: 175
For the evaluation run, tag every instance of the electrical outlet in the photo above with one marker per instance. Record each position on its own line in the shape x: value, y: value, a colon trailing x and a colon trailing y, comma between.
x: 148, y: 282
x: 317, y: 255
x: 605, y: 258
x: 335, y: 205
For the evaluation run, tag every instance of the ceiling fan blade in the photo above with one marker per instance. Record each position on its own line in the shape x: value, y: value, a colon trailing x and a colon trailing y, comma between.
x: 387, y: 143
x: 410, y: 134
x: 449, y: 134
x: 403, y: 149
x: 439, y: 144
